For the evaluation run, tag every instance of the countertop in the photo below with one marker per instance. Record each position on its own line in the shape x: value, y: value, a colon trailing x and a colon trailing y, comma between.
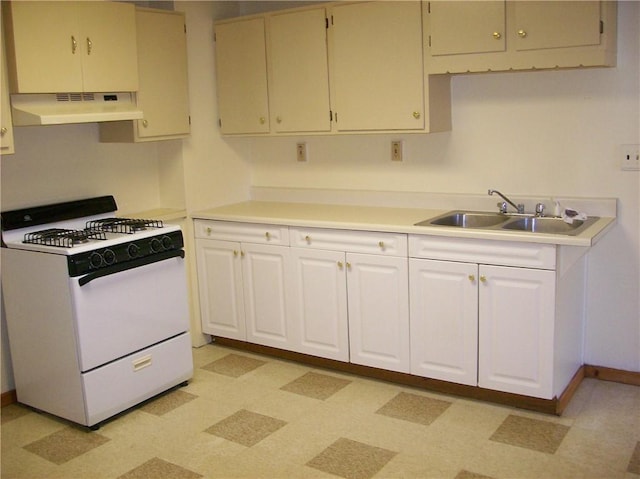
x: 398, y: 220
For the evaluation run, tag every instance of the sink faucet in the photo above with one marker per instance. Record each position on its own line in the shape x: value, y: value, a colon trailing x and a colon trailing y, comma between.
x: 503, y: 205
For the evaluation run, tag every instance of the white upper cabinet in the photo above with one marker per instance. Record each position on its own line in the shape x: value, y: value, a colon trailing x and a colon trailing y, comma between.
x: 164, y: 85
x: 6, y: 125
x: 241, y: 72
x: 57, y: 47
x: 519, y: 35
x: 377, y: 66
x: 467, y: 27
x: 299, y: 75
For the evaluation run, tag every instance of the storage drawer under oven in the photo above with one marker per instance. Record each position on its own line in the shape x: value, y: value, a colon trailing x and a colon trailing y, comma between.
x: 122, y: 384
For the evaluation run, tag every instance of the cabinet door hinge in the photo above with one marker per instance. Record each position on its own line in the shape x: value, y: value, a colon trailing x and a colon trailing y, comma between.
x: 429, y: 41
x: 185, y: 28
x: 220, y: 122
x: 601, y: 27
x: 189, y: 120
x: 326, y: 22
x: 428, y: 7
x: 330, y: 116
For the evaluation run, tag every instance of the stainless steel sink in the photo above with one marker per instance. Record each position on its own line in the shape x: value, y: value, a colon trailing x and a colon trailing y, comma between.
x: 549, y: 225
x: 512, y: 222
x: 466, y: 219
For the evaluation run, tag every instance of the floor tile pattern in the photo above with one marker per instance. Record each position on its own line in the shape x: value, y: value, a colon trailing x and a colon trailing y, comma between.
x: 351, y: 459
x: 533, y: 434
x: 414, y: 408
x: 245, y: 415
x: 66, y: 444
x: 315, y: 385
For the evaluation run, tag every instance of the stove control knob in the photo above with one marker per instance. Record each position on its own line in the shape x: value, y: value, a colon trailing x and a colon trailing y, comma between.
x: 167, y: 242
x: 156, y: 245
x: 109, y: 257
x: 133, y: 250
x: 95, y: 260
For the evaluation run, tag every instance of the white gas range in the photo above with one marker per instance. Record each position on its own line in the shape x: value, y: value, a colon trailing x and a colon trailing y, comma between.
x: 96, y: 308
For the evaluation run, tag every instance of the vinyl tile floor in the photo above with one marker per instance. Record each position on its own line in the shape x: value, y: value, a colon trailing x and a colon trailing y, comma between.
x: 249, y: 416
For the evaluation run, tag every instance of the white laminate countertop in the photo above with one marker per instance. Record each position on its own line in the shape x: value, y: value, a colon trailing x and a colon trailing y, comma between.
x: 397, y: 220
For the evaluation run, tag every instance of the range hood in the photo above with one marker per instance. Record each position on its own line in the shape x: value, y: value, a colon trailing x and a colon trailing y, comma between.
x: 62, y: 108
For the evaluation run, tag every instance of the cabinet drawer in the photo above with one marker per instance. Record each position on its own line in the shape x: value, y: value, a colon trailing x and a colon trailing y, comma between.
x: 390, y: 244
x: 506, y: 253
x: 242, y: 232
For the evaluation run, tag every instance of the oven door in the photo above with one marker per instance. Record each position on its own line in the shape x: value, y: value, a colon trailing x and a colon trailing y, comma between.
x: 121, y: 310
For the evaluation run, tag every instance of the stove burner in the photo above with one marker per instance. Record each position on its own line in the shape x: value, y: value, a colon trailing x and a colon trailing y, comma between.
x: 64, y: 238
x: 123, y: 225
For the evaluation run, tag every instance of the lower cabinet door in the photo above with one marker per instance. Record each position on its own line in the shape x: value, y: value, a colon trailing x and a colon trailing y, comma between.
x: 320, y: 298
x: 444, y: 320
x: 378, y: 297
x: 220, y: 283
x: 267, y: 295
x: 516, y: 330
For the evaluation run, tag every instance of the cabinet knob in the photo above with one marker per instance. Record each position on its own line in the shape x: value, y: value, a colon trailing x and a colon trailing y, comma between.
x: 348, y: 265
x: 89, y: 46
x: 208, y: 230
x: 262, y: 120
x: 145, y: 123
x: 483, y: 279
x: 242, y: 254
x: 497, y: 35
x: 267, y: 235
x: 3, y: 130
x: 74, y: 45
x: 307, y: 239
x: 472, y: 277
x: 279, y: 119
x: 416, y: 115
x: 340, y: 264
x: 381, y: 244
x: 522, y: 33
x: 235, y: 252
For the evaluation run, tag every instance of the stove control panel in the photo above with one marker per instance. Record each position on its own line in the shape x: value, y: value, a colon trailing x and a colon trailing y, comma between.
x: 83, y: 263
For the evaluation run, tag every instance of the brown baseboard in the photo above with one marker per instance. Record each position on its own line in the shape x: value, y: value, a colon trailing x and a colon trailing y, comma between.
x: 570, y: 390
x: 614, y: 375
x: 8, y: 398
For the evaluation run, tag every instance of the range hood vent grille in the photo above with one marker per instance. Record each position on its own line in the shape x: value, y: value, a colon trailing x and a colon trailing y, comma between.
x: 75, y: 97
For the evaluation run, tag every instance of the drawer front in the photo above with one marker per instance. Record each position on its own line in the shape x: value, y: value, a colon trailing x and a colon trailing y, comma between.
x: 242, y: 232
x: 390, y: 244
x: 138, y: 377
x: 505, y: 253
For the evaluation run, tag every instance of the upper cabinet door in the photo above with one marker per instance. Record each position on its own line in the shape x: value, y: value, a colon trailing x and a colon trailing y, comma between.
x: 299, y: 73
x: 467, y: 27
x: 377, y: 66
x: 108, y: 41
x: 57, y: 47
x: 6, y: 125
x: 556, y: 24
x: 43, y: 47
x: 164, y: 88
x: 241, y: 71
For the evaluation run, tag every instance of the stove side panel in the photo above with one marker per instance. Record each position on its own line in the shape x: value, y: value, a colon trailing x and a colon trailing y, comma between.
x: 42, y: 338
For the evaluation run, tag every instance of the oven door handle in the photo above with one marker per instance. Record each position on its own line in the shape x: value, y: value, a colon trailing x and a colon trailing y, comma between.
x: 120, y: 267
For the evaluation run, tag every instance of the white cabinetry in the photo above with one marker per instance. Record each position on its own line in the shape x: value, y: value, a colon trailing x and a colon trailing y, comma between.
x: 519, y: 35
x: 82, y: 46
x: 298, y: 71
x: 244, y: 282
x: 164, y: 90
x: 241, y: 73
x: 496, y: 298
x: 366, y: 287
x: 6, y: 125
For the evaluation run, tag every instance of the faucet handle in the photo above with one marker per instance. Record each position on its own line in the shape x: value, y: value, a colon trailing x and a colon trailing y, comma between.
x: 503, y: 206
x: 540, y: 209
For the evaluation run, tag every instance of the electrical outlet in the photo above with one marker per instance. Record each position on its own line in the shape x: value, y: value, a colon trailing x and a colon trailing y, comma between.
x: 630, y: 157
x: 301, y: 151
x: 396, y: 150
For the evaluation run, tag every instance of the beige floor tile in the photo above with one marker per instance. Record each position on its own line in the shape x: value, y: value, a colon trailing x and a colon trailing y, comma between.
x: 316, y: 385
x: 246, y: 427
x: 414, y: 408
x: 352, y: 459
x: 167, y: 402
x: 157, y: 468
x: 66, y: 444
x: 542, y: 436
x: 13, y: 411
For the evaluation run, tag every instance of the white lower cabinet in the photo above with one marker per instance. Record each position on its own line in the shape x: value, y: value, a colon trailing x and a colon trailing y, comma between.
x: 484, y: 324
x: 244, y: 285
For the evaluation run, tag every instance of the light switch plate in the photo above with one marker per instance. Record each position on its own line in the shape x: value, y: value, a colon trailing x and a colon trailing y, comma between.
x: 629, y: 157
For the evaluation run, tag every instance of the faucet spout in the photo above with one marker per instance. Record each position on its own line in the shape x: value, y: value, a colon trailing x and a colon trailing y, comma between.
x: 519, y: 207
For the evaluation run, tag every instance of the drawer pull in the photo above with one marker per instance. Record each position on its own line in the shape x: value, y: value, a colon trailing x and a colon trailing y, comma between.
x: 381, y: 244
x: 208, y: 230
x: 141, y: 363
x: 483, y: 279
x: 267, y: 235
x: 307, y: 239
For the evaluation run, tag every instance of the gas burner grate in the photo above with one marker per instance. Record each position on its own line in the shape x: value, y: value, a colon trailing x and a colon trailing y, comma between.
x: 63, y: 238
x: 123, y: 225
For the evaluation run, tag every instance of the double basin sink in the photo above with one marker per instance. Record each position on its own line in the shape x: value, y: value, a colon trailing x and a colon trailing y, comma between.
x: 509, y: 222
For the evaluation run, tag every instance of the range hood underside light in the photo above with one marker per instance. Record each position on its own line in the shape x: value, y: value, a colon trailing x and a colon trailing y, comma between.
x: 62, y: 108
